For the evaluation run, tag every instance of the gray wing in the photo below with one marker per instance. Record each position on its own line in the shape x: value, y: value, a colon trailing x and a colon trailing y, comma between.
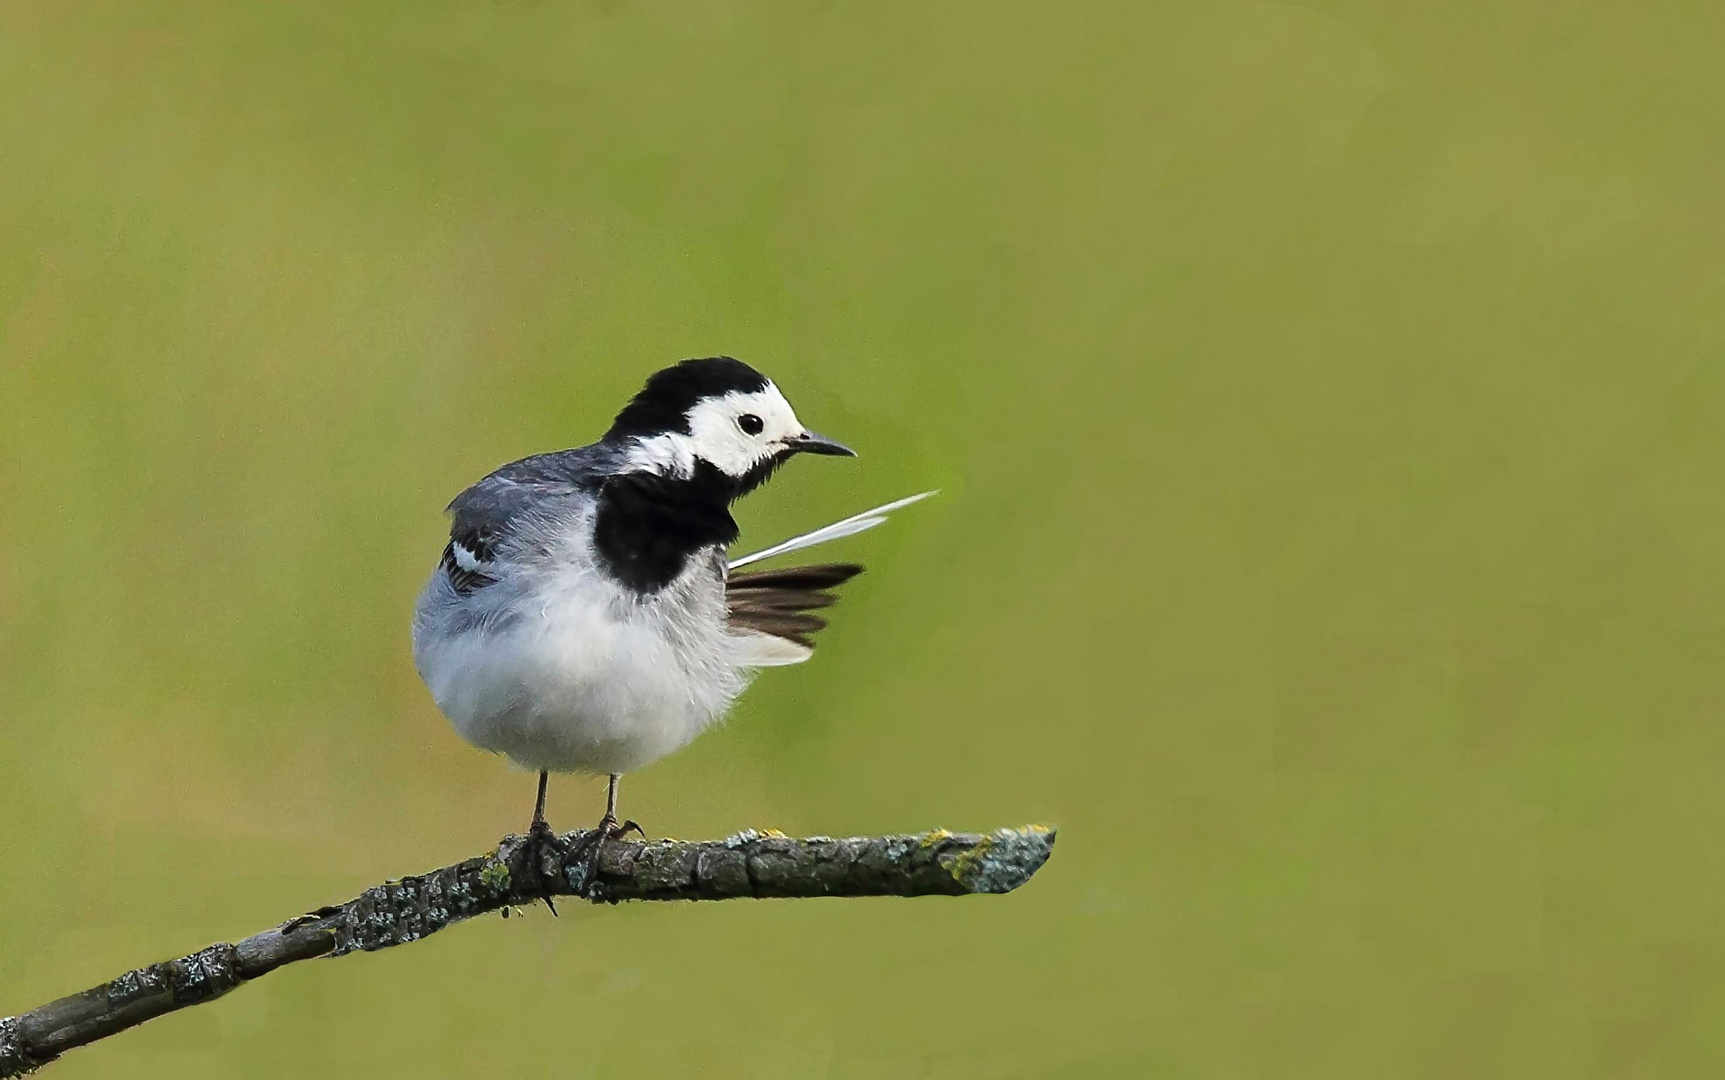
x: 485, y: 517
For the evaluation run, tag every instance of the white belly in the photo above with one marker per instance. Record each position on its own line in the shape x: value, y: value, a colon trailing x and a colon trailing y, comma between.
x: 583, y: 676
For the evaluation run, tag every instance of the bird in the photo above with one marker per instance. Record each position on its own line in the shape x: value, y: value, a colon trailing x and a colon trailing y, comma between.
x: 584, y: 616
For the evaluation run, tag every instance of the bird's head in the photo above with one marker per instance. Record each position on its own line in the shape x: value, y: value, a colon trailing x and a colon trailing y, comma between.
x: 716, y: 413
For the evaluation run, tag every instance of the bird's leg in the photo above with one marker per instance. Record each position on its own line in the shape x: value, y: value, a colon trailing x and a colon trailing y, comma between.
x: 607, y: 829
x: 539, y: 837
x: 539, y: 804
x: 609, y: 821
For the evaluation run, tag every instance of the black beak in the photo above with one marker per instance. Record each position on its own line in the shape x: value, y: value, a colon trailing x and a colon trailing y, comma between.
x: 810, y: 443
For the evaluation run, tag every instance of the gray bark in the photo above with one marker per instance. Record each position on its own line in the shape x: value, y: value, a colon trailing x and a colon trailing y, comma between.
x: 748, y: 865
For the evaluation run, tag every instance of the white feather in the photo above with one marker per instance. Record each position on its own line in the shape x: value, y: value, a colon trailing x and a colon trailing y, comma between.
x: 464, y: 558
x: 758, y: 650
x: 850, y: 526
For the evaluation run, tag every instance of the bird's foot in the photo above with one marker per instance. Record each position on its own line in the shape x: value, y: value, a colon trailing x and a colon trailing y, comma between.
x: 540, y: 838
x: 609, y: 828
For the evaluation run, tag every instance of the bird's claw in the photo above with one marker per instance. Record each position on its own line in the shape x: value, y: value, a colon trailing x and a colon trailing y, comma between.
x: 609, y: 828
x: 540, y: 837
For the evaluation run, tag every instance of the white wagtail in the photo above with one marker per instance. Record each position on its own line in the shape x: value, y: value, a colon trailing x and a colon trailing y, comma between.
x: 584, y: 617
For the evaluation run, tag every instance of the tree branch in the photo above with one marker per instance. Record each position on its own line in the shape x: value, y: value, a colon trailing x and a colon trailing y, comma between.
x: 750, y: 864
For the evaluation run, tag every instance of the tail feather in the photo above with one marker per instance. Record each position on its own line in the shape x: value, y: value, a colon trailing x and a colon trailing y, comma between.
x: 769, y: 608
x: 850, y: 526
x: 776, y: 602
x: 802, y: 580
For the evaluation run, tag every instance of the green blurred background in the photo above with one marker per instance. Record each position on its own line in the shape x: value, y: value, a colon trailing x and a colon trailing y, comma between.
x: 1327, y: 402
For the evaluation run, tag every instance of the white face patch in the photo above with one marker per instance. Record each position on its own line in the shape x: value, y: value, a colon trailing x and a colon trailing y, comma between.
x: 734, y: 433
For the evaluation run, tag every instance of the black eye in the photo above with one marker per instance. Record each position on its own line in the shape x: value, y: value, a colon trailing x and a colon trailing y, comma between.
x: 750, y: 423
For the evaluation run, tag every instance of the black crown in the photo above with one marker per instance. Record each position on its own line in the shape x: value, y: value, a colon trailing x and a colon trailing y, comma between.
x: 663, y: 404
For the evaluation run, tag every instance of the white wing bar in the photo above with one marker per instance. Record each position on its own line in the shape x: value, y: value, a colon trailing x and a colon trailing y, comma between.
x: 850, y: 526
